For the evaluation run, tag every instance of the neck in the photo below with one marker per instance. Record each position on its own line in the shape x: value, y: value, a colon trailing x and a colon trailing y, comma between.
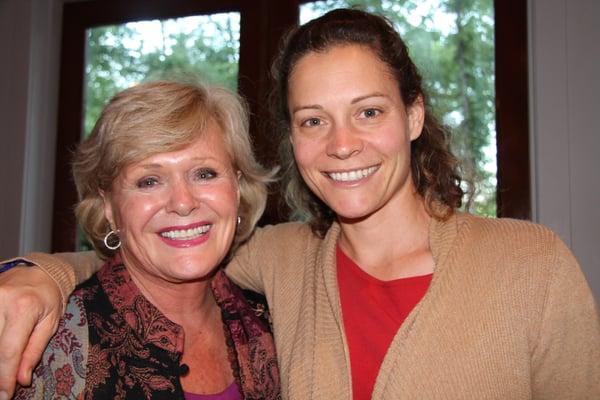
x: 393, y: 242
x: 183, y: 303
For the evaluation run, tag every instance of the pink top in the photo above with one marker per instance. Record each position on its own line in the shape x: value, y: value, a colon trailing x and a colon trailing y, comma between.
x: 231, y: 393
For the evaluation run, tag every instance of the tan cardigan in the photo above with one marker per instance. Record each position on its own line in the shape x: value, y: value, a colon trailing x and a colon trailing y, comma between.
x: 508, y: 315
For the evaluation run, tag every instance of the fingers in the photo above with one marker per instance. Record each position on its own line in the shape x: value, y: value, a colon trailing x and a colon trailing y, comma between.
x: 15, y: 330
x: 6, y: 380
x: 35, y: 347
x: 27, y: 298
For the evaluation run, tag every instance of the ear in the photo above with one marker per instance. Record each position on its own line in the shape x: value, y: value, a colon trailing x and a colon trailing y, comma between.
x: 108, y: 210
x: 416, y: 118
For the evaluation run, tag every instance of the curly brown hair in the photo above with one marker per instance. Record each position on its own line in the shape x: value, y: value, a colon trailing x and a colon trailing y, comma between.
x: 435, y: 170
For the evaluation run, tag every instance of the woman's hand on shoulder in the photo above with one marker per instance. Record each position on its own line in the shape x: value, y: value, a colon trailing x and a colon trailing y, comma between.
x: 30, y: 309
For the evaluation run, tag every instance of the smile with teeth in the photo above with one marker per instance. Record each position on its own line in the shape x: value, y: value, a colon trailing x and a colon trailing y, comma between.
x: 186, y: 234
x: 355, y: 175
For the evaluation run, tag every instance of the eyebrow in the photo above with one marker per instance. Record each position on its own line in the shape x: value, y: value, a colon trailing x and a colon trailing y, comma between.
x: 307, y: 107
x: 368, y: 96
x: 353, y: 101
x: 150, y: 166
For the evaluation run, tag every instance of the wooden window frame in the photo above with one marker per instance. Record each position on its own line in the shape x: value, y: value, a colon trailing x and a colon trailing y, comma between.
x: 262, y: 23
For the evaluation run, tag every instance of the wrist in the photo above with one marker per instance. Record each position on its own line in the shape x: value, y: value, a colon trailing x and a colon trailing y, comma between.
x: 16, y: 262
x: 60, y: 272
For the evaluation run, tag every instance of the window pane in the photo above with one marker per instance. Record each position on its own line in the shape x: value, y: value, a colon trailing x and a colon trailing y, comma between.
x: 119, y: 56
x: 452, y: 43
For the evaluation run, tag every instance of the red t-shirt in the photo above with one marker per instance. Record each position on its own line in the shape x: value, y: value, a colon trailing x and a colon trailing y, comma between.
x: 373, y: 311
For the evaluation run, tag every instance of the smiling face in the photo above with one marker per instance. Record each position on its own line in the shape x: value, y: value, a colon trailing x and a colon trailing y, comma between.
x: 176, y: 212
x: 351, y: 132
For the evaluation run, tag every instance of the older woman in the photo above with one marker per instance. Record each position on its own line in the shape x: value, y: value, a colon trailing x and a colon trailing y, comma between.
x: 167, y: 182
x: 388, y: 291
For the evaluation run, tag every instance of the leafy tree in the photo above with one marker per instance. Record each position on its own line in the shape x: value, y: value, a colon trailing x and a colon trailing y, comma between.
x: 119, y: 56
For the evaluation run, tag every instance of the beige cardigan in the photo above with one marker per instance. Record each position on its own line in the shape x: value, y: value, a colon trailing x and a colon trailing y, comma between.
x: 508, y: 315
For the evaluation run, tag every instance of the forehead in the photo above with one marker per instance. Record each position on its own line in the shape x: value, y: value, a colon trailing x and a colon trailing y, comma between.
x: 209, y: 143
x: 341, y: 68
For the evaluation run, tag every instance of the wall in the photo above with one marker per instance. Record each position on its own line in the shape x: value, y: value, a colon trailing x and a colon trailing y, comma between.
x: 29, y: 42
x: 565, y: 103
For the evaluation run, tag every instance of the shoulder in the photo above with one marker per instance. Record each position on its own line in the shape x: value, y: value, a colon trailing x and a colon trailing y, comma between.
x: 505, y: 232
x: 526, y: 254
x: 284, y: 231
x: 273, y: 253
x: 70, y: 343
x: 286, y: 237
x: 498, y: 224
x: 499, y: 244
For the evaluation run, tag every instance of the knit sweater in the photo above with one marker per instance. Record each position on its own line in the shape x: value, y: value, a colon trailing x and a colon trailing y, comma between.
x: 508, y: 315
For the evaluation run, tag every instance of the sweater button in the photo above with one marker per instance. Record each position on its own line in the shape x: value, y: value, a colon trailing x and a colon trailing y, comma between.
x: 183, y: 370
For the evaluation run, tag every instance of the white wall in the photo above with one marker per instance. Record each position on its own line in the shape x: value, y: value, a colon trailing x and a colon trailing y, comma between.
x: 13, y: 114
x: 29, y: 44
x: 565, y: 118
x: 565, y: 111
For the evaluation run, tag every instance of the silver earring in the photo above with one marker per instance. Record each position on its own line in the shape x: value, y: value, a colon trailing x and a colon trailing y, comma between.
x: 239, y: 220
x: 116, y: 240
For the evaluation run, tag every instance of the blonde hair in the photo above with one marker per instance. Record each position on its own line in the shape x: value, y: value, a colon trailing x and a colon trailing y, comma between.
x: 158, y: 117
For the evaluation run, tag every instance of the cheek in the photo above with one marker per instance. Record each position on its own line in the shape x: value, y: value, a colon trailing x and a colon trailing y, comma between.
x: 393, y: 141
x: 222, y: 198
x: 135, y: 211
x: 305, y: 151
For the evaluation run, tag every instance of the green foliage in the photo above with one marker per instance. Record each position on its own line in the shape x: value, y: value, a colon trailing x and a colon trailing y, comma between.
x: 120, y: 56
x: 452, y: 43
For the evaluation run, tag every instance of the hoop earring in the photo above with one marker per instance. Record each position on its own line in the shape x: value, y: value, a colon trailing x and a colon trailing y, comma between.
x: 116, y: 240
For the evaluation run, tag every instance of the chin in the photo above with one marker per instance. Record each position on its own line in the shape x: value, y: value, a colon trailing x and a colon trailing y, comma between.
x: 356, y: 211
x: 193, y: 271
x: 193, y: 276
x: 357, y: 214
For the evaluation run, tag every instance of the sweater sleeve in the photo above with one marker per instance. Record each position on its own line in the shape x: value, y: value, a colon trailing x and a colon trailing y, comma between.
x: 260, y: 262
x: 566, y: 358
x: 244, y: 267
x: 67, y: 269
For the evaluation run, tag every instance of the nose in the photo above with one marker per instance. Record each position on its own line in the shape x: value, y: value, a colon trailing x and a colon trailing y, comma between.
x: 343, y: 142
x: 181, y: 199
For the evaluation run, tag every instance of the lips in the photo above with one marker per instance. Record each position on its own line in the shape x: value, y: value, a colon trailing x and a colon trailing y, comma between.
x: 352, y: 175
x: 186, y: 236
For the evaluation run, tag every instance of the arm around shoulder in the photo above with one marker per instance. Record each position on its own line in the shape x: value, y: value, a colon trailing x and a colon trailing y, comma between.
x: 267, y: 254
x: 67, y: 269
